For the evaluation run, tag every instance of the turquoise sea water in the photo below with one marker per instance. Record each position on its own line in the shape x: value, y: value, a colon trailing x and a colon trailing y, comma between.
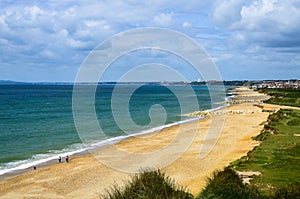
x: 36, y: 121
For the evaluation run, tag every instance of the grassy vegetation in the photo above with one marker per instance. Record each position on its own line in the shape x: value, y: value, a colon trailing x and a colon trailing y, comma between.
x: 278, y: 156
x: 227, y: 184
x: 224, y: 184
x: 150, y: 185
x: 283, y: 96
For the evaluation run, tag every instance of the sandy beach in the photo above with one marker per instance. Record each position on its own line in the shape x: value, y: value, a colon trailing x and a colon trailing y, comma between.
x: 87, y: 177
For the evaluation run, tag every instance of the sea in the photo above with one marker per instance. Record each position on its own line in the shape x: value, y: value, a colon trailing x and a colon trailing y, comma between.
x: 37, y: 120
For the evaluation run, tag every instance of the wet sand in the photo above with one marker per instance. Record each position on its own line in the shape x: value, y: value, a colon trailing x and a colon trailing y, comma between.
x: 87, y: 177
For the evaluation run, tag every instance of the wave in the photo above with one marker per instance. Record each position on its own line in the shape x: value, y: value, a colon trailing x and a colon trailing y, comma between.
x: 76, y: 149
x: 39, y: 159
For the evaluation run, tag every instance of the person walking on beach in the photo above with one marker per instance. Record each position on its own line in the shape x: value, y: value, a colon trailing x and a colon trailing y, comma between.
x: 67, y: 158
x: 59, y: 159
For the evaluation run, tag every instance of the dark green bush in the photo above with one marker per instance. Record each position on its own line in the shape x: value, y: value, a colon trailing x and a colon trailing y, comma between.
x: 290, y: 192
x: 227, y: 184
x: 294, y: 122
x: 277, y: 117
x: 263, y: 135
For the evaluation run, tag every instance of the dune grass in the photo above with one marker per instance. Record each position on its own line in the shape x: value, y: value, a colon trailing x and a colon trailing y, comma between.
x: 226, y: 185
x: 278, y: 156
x: 150, y: 185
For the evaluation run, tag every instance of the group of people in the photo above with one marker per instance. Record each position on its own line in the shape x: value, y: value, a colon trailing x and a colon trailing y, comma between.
x: 67, y: 159
x: 59, y: 160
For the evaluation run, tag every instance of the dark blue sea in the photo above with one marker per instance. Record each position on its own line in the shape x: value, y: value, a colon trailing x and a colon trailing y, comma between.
x: 37, y: 125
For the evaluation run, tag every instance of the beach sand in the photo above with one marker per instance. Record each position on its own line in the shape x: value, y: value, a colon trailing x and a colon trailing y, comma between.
x: 86, y: 177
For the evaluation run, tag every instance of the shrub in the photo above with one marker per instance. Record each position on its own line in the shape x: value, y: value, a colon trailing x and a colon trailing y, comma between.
x: 293, y: 122
x: 227, y: 184
x: 262, y: 136
x: 290, y: 192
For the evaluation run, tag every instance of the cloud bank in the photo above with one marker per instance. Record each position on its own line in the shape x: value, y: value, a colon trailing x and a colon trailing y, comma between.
x: 48, y: 40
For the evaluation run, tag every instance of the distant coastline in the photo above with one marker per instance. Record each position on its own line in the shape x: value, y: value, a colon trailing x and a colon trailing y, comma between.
x: 234, y: 83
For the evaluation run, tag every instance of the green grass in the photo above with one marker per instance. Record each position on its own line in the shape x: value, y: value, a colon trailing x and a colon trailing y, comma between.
x: 283, y: 96
x: 278, y: 156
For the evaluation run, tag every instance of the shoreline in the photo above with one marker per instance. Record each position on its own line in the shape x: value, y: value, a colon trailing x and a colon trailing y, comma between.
x: 42, y: 163
x: 88, y: 177
x: 77, y: 152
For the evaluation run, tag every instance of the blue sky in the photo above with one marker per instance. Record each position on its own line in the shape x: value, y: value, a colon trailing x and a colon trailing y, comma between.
x: 48, y: 40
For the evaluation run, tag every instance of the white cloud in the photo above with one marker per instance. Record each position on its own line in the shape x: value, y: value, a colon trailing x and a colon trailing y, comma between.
x: 63, y: 33
x: 227, y: 12
x: 163, y: 19
x: 33, y: 12
x: 271, y: 23
x: 266, y: 14
x: 92, y: 23
x: 2, y: 22
x: 48, y: 54
x: 186, y: 24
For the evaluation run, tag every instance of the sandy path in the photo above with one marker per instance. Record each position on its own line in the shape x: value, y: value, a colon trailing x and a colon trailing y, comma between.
x: 277, y: 107
x: 86, y: 177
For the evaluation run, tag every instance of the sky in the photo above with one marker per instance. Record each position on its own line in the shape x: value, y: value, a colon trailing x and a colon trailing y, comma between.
x: 246, y: 39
